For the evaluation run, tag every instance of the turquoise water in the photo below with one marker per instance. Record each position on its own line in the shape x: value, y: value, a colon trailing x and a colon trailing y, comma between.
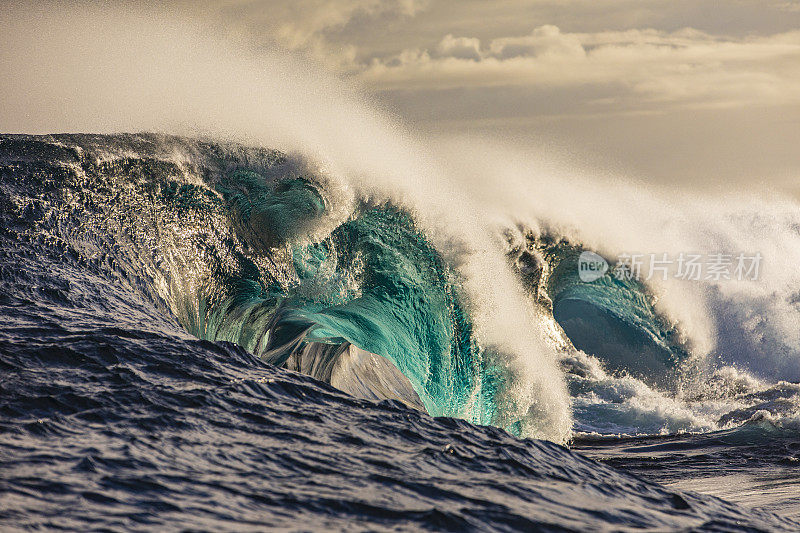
x: 375, y: 282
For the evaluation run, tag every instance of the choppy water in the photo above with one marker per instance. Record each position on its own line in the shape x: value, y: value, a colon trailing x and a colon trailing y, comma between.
x: 202, y: 335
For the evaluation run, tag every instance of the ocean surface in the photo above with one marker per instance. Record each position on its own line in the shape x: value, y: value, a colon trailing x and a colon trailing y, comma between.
x: 196, y: 334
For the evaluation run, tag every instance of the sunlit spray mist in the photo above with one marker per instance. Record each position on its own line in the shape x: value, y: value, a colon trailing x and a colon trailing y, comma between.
x: 751, y: 323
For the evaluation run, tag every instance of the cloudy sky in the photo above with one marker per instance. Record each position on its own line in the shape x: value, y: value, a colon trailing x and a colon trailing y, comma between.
x: 691, y: 92
x: 699, y: 92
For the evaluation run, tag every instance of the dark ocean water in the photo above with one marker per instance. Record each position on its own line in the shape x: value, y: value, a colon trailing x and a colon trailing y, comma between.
x: 756, y: 466
x: 115, y: 261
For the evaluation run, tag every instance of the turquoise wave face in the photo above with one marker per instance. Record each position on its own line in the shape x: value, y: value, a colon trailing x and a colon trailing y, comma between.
x: 405, y: 309
x: 374, y: 282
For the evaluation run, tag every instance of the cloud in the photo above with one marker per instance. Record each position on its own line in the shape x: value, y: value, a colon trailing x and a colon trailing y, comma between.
x: 308, y: 25
x: 542, y: 41
x: 633, y: 53
x: 648, y: 69
x: 459, y: 48
x: 302, y: 21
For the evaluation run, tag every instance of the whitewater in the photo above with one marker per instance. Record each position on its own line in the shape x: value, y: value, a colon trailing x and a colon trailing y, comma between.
x: 301, y: 308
